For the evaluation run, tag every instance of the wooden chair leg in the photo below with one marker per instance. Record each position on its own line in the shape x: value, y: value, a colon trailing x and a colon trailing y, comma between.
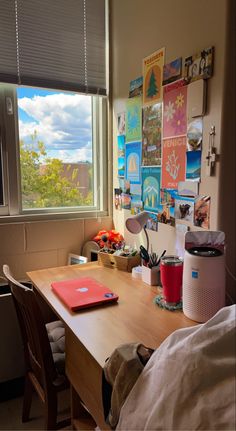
x: 28, y: 392
x: 51, y: 412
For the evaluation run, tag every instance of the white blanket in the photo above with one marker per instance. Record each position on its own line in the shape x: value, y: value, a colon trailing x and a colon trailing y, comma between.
x: 189, y: 381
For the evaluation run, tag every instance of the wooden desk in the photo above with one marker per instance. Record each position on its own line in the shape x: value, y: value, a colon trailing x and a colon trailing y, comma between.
x: 93, y: 334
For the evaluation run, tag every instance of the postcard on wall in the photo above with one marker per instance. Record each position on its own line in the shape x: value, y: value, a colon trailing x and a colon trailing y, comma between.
x: 175, y: 112
x: 202, y: 212
x: 134, y: 119
x: 121, y: 123
x: 136, y: 189
x: 194, y: 135
x: 184, y: 208
x: 125, y: 201
x: 153, y: 77
x: 172, y: 71
x: 152, y: 222
x: 151, y: 181
x: 117, y: 198
x: 168, y: 197
x: 121, y: 155
x: 166, y: 216
x: 188, y: 188
x: 199, y: 66
x: 133, y: 162
x: 136, y: 205
x: 193, y: 168
x: 136, y: 87
x: 173, y: 162
x: 152, y: 131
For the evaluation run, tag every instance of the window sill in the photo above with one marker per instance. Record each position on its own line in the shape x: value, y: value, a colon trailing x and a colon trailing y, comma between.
x: 52, y: 216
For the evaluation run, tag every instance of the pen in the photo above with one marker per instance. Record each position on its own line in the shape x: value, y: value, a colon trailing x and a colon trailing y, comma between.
x: 164, y: 252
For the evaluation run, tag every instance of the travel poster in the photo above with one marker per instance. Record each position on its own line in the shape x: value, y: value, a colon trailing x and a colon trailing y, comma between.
x: 153, y: 77
x: 121, y: 155
x: 194, y: 135
x: 134, y: 119
x: 121, y: 123
x: 152, y: 222
x: 136, y: 87
x: 152, y: 131
x: 173, y: 162
x: 136, y: 205
x: 175, y: 111
x: 172, y: 71
x: 184, y: 208
x: 133, y: 162
x: 151, y: 181
x: 199, y: 65
x: 202, y: 212
x: 193, y: 168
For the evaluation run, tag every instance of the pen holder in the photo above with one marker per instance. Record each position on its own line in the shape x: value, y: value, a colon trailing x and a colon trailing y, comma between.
x: 151, y: 276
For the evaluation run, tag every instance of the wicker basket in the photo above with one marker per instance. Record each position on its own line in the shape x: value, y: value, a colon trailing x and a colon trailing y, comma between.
x: 119, y: 262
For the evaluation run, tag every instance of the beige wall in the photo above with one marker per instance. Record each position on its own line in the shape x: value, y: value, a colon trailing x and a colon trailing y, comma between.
x: 183, y: 27
x: 35, y: 245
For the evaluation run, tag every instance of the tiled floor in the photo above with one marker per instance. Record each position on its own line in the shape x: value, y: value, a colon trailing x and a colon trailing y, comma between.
x: 10, y: 413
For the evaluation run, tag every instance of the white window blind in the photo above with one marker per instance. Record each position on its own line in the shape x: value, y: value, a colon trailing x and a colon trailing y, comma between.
x: 58, y: 44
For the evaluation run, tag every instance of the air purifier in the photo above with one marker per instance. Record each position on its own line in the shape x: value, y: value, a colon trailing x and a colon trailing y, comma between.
x: 203, y: 275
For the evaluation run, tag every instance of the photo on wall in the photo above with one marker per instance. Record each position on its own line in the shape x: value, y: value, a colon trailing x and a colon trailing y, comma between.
x: 136, y: 87
x: 133, y: 162
x: 134, y: 119
x: 202, y: 212
x: 199, y: 65
x: 172, y: 71
x: 193, y: 169
x: 152, y: 133
x: 173, y: 162
x: 121, y: 155
x: 153, y: 77
x: 121, y: 123
x: 184, y: 209
x: 151, y: 180
x: 194, y: 135
x: 175, y: 110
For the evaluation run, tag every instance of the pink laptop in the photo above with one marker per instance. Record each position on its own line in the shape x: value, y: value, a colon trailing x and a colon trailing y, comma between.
x: 83, y: 292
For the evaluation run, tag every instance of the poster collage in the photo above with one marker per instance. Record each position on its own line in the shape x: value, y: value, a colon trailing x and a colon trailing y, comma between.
x: 159, y: 146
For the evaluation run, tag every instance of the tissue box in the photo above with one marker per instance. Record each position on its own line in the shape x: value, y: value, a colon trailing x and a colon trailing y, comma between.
x: 119, y: 262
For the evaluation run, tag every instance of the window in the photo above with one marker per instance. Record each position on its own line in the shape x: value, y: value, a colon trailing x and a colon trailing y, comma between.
x: 53, y: 107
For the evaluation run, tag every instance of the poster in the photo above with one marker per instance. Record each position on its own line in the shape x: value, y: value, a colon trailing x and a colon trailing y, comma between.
x: 184, y: 208
x: 173, y: 162
x: 202, y: 212
x: 134, y: 119
x: 199, y: 65
x: 121, y: 155
x: 175, y: 110
x: 193, y: 169
x: 194, y: 135
x: 125, y: 201
x: 133, y: 162
x: 121, y: 123
x: 188, y: 188
x: 151, y: 179
x: 152, y: 125
x: 172, y: 71
x: 153, y: 77
x: 136, y: 204
x: 152, y: 222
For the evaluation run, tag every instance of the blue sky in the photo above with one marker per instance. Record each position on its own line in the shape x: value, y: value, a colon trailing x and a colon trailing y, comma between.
x: 62, y: 121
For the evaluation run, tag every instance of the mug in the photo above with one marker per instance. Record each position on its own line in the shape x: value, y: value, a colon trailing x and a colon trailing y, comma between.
x: 171, y: 268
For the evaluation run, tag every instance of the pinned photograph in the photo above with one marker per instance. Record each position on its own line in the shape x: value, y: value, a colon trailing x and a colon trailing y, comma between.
x: 152, y: 222
x: 184, y: 209
x: 136, y: 87
x: 188, y: 188
x: 194, y: 135
x: 125, y: 201
x: 136, y: 205
x: 133, y: 162
x: 165, y: 215
x: 152, y: 132
x: 172, y: 71
x: 117, y: 198
x: 121, y: 155
x: 121, y: 123
x: 199, y: 65
x: 193, y: 170
x: 202, y: 212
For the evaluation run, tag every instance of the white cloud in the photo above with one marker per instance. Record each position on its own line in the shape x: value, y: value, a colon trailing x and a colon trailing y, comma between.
x: 62, y: 121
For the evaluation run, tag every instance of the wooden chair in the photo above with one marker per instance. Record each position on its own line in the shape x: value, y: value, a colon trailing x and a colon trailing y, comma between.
x: 43, y: 359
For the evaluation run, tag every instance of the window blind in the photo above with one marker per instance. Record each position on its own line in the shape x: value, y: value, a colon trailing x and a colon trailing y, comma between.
x: 58, y: 44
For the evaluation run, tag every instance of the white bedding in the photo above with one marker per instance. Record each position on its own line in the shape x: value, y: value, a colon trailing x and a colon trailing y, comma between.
x: 189, y: 381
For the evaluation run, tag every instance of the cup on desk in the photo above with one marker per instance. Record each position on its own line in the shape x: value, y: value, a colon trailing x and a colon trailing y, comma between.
x: 171, y: 278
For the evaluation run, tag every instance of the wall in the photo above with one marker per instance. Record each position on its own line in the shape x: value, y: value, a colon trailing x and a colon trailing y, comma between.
x: 44, y: 244
x: 183, y: 27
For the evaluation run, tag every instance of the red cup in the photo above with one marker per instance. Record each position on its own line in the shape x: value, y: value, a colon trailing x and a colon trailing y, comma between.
x: 171, y: 268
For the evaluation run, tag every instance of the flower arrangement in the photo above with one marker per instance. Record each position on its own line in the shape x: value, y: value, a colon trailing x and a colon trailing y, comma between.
x: 110, y: 239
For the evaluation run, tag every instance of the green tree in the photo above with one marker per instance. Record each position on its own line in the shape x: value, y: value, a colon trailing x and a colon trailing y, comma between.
x: 43, y: 182
x: 152, y: 88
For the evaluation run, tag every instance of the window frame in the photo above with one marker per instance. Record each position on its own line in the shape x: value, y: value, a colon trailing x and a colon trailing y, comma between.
x: 12, y: 211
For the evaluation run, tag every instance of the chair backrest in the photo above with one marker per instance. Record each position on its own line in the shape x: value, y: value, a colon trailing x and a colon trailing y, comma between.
x: 38, y: 354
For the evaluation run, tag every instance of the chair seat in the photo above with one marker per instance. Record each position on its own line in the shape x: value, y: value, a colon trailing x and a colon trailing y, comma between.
x: 56, y: 336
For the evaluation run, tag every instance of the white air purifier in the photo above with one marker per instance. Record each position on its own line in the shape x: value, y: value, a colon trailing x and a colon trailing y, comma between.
x: 203, y: 275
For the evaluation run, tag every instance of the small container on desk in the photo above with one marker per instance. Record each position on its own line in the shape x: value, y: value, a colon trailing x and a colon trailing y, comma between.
x: 151, y: 276
x: 122, y: 263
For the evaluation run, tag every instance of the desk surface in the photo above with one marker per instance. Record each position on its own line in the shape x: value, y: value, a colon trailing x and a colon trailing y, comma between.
x: 135, y: 318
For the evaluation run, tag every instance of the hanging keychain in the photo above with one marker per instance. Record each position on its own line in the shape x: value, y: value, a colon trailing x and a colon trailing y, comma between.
x: 211, y: 154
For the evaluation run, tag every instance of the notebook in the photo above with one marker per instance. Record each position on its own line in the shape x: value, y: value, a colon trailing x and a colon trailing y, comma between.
x: 83, y: 292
